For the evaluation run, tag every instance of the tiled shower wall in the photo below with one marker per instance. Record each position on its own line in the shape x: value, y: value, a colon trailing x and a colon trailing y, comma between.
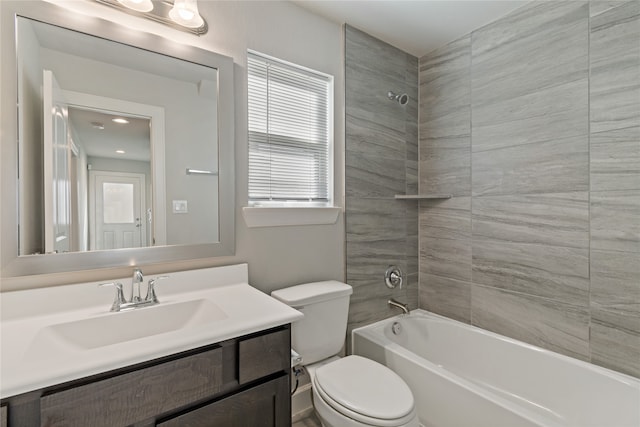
x: 533, y: 124
x: 381, y: 161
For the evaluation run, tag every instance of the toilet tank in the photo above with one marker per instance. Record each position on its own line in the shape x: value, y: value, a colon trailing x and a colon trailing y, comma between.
x: 325, y: 305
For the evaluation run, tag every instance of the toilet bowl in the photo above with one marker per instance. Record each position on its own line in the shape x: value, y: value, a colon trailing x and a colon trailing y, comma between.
x: 351, y: 391
x: 358, y: 392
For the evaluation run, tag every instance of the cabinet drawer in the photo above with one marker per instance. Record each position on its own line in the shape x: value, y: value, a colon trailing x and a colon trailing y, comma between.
x: 264, y: 355
x: 135, y: 396
x: 266, y: 405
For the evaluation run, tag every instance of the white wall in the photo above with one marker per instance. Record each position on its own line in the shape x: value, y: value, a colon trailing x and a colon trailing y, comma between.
x: 278, y: 256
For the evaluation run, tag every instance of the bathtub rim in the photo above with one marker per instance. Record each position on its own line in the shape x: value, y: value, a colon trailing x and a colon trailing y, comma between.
x: 419, y: 312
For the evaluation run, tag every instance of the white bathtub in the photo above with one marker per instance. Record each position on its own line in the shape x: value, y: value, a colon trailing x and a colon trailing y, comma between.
x: 465, y: 376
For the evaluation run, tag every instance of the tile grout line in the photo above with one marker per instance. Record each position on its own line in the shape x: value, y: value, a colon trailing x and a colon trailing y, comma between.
x: 589, y: 169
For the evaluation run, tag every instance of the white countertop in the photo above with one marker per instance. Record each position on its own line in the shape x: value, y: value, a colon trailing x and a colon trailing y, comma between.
x: 29, y: 362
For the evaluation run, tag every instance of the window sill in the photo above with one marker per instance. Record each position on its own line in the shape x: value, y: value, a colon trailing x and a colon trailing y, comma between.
x: 285, y: 216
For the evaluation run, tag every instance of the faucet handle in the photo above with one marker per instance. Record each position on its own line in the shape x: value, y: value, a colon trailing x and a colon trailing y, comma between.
x: 119, y: 299
x: 151, y: 290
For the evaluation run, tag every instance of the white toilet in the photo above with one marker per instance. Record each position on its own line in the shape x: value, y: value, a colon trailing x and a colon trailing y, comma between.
x: 347, y: 392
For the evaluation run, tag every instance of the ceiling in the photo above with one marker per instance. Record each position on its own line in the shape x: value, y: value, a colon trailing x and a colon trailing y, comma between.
x: 417, y: 26
x: 102, y: 141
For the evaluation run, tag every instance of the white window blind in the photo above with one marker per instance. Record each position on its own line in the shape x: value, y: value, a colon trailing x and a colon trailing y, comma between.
x: 290, y: 133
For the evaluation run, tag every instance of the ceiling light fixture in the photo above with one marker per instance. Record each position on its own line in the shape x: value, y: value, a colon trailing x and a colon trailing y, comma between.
x: 120, y: 120
x: 97, y: 125
x: 137, y: 5
x: 182, y: 15
x: 120, y: 151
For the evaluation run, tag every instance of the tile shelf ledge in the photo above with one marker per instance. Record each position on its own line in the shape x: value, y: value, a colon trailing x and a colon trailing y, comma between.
x: 422, y: 196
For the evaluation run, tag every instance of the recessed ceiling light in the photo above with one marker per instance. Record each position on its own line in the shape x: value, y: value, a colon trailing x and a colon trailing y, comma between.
x: 120, y: 151
x: 97, y: 125
x: 120, y: 120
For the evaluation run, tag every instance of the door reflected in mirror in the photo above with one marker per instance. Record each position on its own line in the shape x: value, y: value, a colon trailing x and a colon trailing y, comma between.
x: 106, y: 134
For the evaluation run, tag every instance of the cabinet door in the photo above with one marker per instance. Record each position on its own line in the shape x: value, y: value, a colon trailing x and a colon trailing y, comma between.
x: 266, y: 405
x: 138, y: 395
x: 3, y: 416
x: 263, y: 355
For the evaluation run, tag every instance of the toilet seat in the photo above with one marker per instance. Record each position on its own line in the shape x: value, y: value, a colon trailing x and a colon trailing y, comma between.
x: 365, y: 391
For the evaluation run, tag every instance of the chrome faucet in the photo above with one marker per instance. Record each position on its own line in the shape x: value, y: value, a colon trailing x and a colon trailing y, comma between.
x: 136, y: 280
x: 401, y: 306
x: 120, y: 302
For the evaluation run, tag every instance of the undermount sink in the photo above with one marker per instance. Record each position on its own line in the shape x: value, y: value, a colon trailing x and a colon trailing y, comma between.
x: 114, y: 328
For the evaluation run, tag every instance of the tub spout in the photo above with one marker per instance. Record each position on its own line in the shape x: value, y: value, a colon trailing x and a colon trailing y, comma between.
x: 401, y: 306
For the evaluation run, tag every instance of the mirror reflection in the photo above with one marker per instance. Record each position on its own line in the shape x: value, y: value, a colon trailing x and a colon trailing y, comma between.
x: 107, y: 134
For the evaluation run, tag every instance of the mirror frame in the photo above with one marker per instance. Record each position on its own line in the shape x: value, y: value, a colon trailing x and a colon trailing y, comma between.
x: 11, y: 264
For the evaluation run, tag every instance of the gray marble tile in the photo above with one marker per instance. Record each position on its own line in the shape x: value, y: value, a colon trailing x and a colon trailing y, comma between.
x: 411, y: 177
x: 560, y: 219
x: 367, y: 101
x: 372, y: 176
x: 551, y: 113
x: 370, y: 310
x: 430, y: 143
x: 366, y: 96
x: 596, y: 7
x: 371, y: 258
x: 456, y: 124
x: 615, y: 68
x: 447, y: 297
x: 369, y: 53
x: 557, y: 273
x: 412, y: 246
x: 374, y: 219
x: 615, y: 159
x: 615, y: 220
x: 615, y: 340
x: 539, y: 45
x: 449, y: 59
x: 546, y: 323
x: 411, y: 139
x: 554, y: 166
x: 445, y: 257
x: 412, y: 286
x: 445, y: 91
x: 370, y: 137
x: 444, y: 95
x: 446, y: 218
x: 411, y: 72
x: 370, y: 286
x: 445, y: 171
x: 615, y: 281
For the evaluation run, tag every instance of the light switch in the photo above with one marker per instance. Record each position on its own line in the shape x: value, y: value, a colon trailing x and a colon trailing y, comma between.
x: 180, y: 206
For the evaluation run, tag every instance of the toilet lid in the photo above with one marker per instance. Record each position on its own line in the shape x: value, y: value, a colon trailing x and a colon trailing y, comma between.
x: 365, y: 387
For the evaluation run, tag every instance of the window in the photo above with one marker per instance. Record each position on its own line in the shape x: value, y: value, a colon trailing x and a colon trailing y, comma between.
x: 290, y: 134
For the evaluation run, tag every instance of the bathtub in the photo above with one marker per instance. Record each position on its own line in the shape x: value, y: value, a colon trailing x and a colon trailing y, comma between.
x: 461, y: 376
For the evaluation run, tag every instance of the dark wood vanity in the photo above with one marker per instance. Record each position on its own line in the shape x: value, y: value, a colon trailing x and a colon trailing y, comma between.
x: 238, y: 382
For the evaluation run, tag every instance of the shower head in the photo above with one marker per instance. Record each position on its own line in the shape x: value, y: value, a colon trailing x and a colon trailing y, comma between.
x: 401, y: 98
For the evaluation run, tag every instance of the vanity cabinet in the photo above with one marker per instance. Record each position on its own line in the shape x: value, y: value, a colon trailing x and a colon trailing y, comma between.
x: 238, y: 382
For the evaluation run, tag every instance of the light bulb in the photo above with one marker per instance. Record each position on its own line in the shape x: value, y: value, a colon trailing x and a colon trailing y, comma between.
x: 185, y: 13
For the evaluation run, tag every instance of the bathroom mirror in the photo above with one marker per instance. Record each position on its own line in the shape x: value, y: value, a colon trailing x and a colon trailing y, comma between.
x: 124, y: 149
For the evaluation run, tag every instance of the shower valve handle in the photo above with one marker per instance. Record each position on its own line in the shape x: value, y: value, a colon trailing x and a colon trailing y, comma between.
x: 393, y: 277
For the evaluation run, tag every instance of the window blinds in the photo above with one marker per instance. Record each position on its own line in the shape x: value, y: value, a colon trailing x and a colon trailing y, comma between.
x: 289, y: 132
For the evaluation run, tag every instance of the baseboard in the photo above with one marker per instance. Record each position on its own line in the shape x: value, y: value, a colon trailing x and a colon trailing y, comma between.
x: 301, y: 403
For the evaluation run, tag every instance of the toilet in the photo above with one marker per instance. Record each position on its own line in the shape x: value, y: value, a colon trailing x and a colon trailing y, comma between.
x: 351, y: 391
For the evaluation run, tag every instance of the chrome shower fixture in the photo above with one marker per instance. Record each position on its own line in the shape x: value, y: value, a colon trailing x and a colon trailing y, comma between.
x: 401, y: 98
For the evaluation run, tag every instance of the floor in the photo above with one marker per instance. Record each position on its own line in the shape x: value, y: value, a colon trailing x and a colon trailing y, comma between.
x: 311, y: 421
